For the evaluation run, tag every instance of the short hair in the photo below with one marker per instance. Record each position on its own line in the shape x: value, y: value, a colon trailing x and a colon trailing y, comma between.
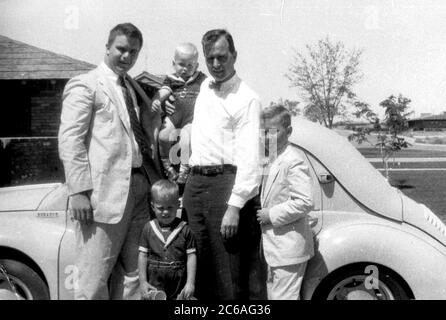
x: 164, y: 189
x: 187, y: 47
x: 212, y: 36
x: 278, y: 111
x: 126, y: 29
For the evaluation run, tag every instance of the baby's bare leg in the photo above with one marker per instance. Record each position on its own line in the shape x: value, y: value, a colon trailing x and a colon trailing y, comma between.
x: 185, y: 154
x: 167, y: 136
x: 185, y: 143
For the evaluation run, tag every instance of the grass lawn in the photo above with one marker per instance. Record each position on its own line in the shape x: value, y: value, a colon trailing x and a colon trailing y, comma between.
x: 427, y: 187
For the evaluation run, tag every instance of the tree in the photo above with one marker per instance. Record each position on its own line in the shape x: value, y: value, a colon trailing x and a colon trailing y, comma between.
x: 289, y: 104
x: 326, y: 75
x: 395, y: 122
x: 313, y: 113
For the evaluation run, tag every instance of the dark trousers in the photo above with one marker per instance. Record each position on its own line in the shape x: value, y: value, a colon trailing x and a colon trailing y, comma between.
x: 226, y: 269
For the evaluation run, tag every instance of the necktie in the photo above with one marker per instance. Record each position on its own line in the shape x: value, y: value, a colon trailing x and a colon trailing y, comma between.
x: 134, y: 121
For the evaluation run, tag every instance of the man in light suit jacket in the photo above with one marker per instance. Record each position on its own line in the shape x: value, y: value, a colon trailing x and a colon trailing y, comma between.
x: 107, y: 143
x: 286, y: 198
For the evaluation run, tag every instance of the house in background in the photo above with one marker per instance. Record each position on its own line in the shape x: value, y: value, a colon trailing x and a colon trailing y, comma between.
x: 428, y: 123
x: 150, y: 79
x: 31, y: 86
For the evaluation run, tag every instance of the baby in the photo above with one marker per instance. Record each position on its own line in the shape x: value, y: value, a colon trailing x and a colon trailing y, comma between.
x: 184, y: 85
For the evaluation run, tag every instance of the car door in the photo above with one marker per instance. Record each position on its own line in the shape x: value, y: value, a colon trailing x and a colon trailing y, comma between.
x: 68, y: 272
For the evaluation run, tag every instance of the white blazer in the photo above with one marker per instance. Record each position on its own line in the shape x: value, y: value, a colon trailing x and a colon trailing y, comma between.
x: 95, y: 145
x: 288, y: 194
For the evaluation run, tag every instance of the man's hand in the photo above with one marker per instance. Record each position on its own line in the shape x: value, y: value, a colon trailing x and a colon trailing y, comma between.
x: 156, y: 105
x: 170, y: 108
x: 263, y: 216
x: 144, y: 288
x: 229, y: 224
x: 187, y: 292
x: 81, y: 207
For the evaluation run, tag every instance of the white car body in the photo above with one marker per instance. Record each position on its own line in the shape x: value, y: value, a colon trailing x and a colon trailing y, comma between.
x: 365, y: 230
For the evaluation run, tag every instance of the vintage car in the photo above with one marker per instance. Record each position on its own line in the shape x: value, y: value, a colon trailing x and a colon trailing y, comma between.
x: 372, y: 241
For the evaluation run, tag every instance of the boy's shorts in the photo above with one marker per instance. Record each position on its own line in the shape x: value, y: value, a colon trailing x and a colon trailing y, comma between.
x: 170, y: 279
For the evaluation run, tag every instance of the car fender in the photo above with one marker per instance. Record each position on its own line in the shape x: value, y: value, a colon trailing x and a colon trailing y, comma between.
x: 36, y: 234
x: 409, y: 252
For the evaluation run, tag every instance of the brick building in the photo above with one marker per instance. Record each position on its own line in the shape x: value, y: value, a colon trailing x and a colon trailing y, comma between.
x: 31, y: 86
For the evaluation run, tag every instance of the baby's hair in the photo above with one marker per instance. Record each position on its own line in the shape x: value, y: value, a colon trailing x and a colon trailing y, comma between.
x: 165, y: 189
x: 278, y: 111
x: 187, y: 48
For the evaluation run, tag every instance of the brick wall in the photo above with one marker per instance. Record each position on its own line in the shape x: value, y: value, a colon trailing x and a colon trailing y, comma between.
x: 29, y: 161
x: 45, y: 112
x: 34, y: 158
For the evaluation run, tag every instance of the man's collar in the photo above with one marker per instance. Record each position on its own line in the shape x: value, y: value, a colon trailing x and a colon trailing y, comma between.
x: 110, y: 73
x: 177, y: 78
x: 225, y: 84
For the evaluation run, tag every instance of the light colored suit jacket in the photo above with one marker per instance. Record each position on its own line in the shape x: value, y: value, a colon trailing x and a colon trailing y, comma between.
x: 288, y: 194
x: 95, y: 145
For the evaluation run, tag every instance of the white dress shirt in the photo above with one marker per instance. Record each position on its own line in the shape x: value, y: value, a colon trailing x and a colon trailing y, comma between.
x: 226, y: 130
x: 114, y: 80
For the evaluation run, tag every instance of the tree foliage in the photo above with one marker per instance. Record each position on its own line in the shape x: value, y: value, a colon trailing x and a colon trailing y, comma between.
x: 388, y: 131
x: 326, y: 74
x: 291, y: 105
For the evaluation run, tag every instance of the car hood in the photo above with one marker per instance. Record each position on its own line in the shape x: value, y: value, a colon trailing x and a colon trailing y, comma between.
x: 24, y: 198
x: 359, y: 178
x: 420, y: 216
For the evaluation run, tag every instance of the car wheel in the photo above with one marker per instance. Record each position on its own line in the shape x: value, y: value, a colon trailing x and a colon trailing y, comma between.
x: 28, y: 284
x: 353, y: 283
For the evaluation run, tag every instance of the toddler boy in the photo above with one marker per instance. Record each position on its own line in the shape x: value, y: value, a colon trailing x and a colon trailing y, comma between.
x: 167, y: 259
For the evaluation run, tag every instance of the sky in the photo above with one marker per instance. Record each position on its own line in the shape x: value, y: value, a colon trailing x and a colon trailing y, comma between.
x: 403, y: 42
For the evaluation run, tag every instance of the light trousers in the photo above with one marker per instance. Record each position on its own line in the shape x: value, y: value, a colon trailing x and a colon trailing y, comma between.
x: 103, y: 248
x: 284, y: 283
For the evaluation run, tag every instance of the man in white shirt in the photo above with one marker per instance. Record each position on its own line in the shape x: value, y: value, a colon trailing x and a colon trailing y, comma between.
x: 106, y: 143
x: 225, y: 177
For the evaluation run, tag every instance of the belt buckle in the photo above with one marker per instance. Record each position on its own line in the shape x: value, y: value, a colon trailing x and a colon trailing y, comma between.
x: 210, y: 171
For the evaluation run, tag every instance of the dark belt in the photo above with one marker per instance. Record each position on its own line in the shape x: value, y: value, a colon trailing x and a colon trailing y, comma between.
x: 171, y: 264
x: 137, y: 170
x: 213, y: 170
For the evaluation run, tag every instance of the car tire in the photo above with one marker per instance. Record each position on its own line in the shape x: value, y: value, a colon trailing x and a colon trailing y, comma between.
x: 28, y: 283
x: 349, y: 283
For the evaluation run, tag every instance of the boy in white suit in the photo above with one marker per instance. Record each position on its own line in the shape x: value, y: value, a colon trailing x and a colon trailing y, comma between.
x: 287, y: 198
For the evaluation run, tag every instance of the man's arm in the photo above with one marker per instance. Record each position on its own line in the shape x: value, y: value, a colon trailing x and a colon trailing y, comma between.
x: 76, y: 113
x: 248, y: 177
x: 153, y: 91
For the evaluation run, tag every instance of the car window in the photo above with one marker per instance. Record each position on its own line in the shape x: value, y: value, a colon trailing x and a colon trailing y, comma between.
x: 333, y: 196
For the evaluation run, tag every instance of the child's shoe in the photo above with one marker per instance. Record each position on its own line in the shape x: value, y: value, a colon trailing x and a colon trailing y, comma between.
x: 184, y: 174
